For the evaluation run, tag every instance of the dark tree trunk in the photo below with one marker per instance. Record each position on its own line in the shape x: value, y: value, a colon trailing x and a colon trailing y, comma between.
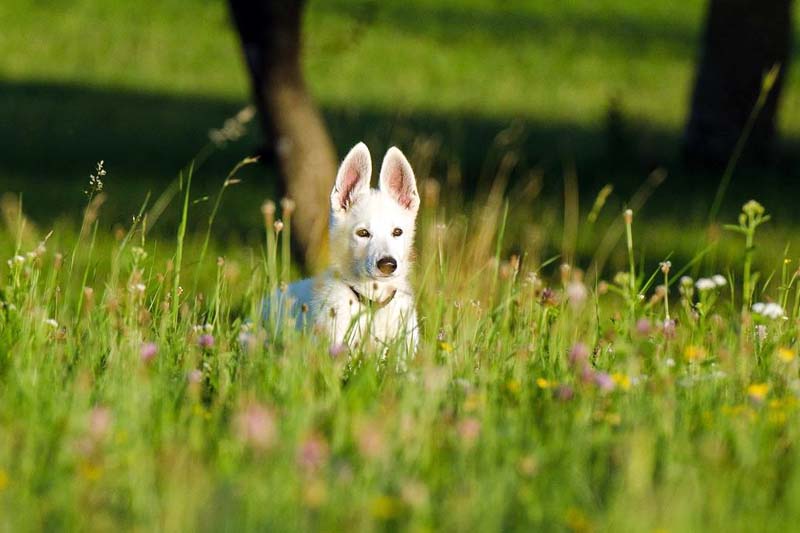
x: 296, y: 137
x: 743, y: 40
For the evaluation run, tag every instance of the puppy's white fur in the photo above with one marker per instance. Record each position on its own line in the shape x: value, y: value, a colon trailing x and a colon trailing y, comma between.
x: 355, y: 302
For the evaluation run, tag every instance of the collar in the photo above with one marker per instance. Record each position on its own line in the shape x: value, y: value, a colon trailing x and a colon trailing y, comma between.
x: 374, y: 304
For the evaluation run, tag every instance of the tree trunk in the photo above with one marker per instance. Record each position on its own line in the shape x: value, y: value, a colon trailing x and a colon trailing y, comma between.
x: 743, y: 39
x: 296, y: 137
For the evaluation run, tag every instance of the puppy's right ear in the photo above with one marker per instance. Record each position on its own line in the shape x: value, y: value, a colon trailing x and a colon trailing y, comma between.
x: 353, y: 178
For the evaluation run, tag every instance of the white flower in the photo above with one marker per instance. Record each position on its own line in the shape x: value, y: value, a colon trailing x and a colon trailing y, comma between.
x: 719, y: 280
x: 670, y: 362
x: 51, y: 322
x: 705, y: 284
x: 769, y: 310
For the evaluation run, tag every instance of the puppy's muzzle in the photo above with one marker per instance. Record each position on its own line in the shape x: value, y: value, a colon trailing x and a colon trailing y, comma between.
x: 387, y: 265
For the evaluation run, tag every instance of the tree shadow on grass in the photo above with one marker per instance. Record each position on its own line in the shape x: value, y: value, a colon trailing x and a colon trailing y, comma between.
x: 55, y: 133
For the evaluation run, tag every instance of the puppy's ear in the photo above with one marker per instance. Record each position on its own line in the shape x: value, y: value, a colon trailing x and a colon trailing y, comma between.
x: 352, y: 180
x: 397, y: 179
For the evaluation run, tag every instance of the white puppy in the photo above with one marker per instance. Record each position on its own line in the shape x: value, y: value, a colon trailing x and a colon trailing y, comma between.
x: 365, y: 296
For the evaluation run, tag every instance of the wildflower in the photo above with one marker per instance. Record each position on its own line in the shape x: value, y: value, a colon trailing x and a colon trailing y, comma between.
x: 99, y: 422
x: 51, y: 322
x: 255, y: 426
x: 761, y: 332
x: 312, y: 453
x: 578, y: 355
x: 514, y: 386
x: 694, y: 353
x: 665, y: 266
x: 278, y: 225
x: 469, y: 429
x: 96, y: 180
x: 337, y: 350
x: 758, y: 391
x: 604, y: 382
x: 542, y: 383
x: 753, y: 208
x: 268, y: 210
x: 643, y: 327
x: 621, y: 380
x: 669, y: 328
x: 786, y: 355
x: 288, y: 206
x: 628, y: 216
x: 194, y: 377
x: 371, y: 441
x: 719, y: 280
x: 206, y: 341
x: 769, y: 310
x: 577, y: 293
x: 669, y: 362
x: 564, y: 393
x: 148, y: 351
x: 705, y: 284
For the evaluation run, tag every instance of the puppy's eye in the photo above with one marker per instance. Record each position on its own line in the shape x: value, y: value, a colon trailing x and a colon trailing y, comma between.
x: 363, y: 233
x: 396, y: 232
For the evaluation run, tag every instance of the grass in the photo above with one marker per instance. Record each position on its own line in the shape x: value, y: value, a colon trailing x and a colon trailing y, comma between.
x: 139, y: 387
x: 540, y: 397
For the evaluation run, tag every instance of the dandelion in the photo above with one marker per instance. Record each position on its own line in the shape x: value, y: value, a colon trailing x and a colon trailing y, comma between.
x: 694, y: 353
x: 148, y: 352
x: 206, y: 341
x: 621, y: 380
x: 255, y: 426
x: 758, y: 391
x: 786, y: 355
x: 542, y: 383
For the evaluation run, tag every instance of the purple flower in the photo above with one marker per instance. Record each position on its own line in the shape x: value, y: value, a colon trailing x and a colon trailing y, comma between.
x: 578, y: 355
x: 564, y: 393
x: 148, y: 351
x: 195, y: 376
x: 604, y: 382
x: 669, y: 328
x: 206, y: 341
x: 336, y: 350
x: 312, y: 453
x: 643, y: 327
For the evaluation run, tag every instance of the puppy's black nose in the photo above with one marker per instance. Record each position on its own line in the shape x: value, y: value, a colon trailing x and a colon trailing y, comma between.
x: 387, y: 265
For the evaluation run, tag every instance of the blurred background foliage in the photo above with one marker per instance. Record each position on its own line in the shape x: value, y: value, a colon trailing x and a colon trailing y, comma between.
x: 595, y: 89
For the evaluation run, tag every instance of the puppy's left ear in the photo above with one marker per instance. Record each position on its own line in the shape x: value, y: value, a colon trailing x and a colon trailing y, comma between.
x: 397, y: 179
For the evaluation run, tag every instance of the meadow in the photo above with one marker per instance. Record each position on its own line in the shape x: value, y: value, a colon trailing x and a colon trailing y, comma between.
x: 581, y: 367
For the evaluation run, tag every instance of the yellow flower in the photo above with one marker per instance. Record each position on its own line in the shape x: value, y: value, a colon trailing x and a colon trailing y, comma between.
x: 543, y: 383
x: 446, y: 347
x: 694, y: 353
x: 758, y: 391
x: 785, y: 354
x: 622, y: 381
x: 513, y: 386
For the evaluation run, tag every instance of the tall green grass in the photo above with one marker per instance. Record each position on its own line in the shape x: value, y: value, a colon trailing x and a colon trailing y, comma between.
x: 140, y: 386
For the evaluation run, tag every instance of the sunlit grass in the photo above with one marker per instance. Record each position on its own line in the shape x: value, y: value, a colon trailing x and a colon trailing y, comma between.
x: 143, y: 389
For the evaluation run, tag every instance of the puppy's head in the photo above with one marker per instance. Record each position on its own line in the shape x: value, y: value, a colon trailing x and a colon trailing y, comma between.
x: 372, y: 231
